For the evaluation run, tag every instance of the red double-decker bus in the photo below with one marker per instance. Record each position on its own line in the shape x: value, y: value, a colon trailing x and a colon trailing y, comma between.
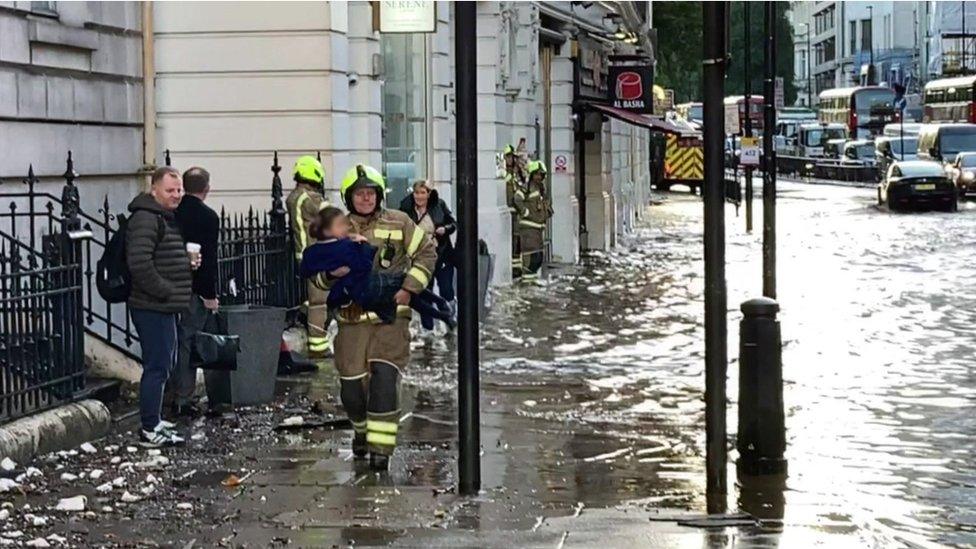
x: 950, y: 100
x: 863, y: 109
x: 735, y: 114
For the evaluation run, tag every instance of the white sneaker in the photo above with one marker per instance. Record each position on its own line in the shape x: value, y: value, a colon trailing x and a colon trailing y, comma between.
x: 168, y: 425
x: 159, y: 437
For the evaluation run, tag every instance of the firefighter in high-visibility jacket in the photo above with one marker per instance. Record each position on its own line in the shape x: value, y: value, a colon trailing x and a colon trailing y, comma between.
x: 514, y: 180
x: 304, y: 204
x: 370, y: 355
x: 534, y: 210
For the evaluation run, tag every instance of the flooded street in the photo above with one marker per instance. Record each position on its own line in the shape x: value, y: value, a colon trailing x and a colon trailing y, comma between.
x: 592, y: 410
x: 878, y: 326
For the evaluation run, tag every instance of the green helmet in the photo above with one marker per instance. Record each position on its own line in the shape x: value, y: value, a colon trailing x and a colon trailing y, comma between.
x: 308, y: 169
x: 537, y: 166
x: 509, y: 149
x: 362, y: 176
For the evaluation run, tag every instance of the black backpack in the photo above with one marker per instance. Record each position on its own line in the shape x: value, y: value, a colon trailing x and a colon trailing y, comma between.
x: 113, y: 279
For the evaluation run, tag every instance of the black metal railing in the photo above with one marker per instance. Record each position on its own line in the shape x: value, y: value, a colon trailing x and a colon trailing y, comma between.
x: 255, y: 251
x: 255, y: 255
x: 49, y: 248
x: 42, y: 360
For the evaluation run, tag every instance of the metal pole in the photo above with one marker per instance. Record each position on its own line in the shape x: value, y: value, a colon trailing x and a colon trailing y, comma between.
x: 746, y: 60
x: 809, y: 78
x: 465, y: 71
x: 581, y: 156
x: 963, y: 36
x: 902, y: 144
x: 871, y: 61
x: 769, y: 153
x: 716, y: 361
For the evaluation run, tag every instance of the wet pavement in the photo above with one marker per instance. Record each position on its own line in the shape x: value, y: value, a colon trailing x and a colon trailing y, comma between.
x: 592, y: 411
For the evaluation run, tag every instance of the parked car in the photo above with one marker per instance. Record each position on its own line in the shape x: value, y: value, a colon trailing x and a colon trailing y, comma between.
x: 962, y: 172
x: 917, y: 184
x: 858, y: 152
x: 942, y: 142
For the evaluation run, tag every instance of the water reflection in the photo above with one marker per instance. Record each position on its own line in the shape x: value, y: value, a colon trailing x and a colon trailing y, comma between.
x: 878, y: 328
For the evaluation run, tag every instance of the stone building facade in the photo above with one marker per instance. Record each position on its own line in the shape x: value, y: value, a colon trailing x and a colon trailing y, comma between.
x: 71, y: 78
x: 225, y: 84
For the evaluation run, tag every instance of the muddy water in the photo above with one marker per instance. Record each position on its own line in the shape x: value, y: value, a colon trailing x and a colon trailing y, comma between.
x: 879, y: 325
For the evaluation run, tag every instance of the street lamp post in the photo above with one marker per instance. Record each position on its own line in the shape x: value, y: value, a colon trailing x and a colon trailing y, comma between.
x: 769, y: 152
x: 469, y: 433
x: 747, y: 58
x: 714, y: 15
x: 871, y: 61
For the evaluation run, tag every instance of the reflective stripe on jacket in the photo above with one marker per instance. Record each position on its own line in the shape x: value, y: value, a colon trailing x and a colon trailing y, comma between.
x: 532, y: 206
x: 304, y: 203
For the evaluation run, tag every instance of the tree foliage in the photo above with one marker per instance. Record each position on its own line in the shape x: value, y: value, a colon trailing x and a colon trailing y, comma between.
x: 679, y: 51
x: 679, y: 48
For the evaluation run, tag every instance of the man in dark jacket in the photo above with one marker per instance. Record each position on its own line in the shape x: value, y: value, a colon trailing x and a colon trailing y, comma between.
x: 160, y: 267
x: 430, y: 213
x: 200, y: 225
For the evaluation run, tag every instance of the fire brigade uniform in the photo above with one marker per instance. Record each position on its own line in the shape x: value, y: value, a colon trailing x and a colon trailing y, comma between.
x: 370, y: 355
x: 304, y: 204
x: 513, y: 182
x: 534, y: 211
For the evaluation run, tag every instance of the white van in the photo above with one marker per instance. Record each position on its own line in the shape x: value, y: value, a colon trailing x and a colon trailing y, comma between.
x: 942, y: 142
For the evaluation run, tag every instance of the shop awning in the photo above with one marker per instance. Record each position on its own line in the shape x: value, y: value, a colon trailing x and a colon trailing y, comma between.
x: 645, y: 121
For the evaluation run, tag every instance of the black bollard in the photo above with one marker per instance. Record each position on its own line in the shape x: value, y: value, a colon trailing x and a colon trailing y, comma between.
x: 762, y: 427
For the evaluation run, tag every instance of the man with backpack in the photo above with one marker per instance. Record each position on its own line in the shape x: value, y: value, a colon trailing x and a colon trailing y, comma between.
x: 160, y: 287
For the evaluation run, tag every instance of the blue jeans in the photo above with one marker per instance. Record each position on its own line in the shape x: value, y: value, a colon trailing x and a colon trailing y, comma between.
x: 444, y: 276
x: 157, y: 336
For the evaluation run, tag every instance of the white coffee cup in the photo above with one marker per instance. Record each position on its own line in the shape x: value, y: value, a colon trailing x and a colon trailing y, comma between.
x: 193, y: 249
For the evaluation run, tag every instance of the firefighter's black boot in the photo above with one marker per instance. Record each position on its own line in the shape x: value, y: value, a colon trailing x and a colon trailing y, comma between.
x: 359, y: 448
x: 379, y: 462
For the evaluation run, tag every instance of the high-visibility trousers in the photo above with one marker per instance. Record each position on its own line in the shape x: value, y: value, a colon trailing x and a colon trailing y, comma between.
x: 376, y: 354
x: 318, y: 339
x: 531, y: 240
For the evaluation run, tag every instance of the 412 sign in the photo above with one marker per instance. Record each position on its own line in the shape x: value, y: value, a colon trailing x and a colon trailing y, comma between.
x: 749, y: 156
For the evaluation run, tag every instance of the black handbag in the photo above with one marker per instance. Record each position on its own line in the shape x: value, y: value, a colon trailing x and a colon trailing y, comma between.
x: 213, y: 348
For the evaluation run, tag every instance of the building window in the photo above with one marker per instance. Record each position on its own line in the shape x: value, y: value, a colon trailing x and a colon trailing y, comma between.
x: 404, y: 112
x: 44, y: 8
x: 866, y: 35
x: 853, y: 38
x: 826, y: 51
x: 824, y: 81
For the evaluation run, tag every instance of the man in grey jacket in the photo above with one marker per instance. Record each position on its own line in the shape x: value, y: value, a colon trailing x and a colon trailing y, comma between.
x: 161, y: 280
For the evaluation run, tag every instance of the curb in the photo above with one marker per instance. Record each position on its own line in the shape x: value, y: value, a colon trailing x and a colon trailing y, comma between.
x: 59, y: 429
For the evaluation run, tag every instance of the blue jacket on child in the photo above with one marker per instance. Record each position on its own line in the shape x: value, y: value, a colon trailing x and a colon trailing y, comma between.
x: 329, y: 255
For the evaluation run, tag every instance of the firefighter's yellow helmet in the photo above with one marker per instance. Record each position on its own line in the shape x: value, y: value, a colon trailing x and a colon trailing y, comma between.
x: 307, y: 168
x: 537, y: 166
x: 362, y: 176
